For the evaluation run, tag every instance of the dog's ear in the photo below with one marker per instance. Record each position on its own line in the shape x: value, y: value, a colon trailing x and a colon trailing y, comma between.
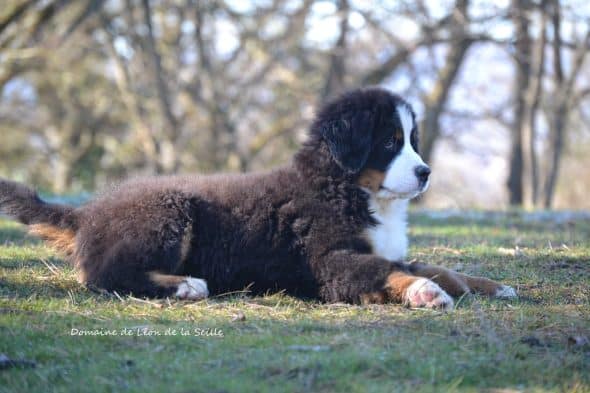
x: 349, y: 139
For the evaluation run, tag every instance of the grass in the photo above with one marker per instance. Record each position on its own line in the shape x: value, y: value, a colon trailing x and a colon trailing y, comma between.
x: 277, y: 343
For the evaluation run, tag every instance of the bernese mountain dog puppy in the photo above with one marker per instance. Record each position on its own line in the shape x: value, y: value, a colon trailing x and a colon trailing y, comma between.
x: 330, y: 225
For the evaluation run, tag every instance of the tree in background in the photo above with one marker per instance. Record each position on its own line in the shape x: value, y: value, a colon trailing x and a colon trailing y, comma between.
x: 95, y: 90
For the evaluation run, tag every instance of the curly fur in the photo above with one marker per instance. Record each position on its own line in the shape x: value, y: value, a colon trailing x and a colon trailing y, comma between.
x: 299, y: 228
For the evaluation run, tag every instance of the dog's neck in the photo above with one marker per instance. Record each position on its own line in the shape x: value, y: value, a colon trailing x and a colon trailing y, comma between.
x: 389, y: 239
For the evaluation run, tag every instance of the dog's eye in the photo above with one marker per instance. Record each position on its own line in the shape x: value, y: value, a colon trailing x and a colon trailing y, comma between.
x: 395, y: 139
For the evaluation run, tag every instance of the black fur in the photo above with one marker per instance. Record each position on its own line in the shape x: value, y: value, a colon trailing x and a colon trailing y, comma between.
x: 298, y: 228
x: 24, y: 205
x: 348, y: 139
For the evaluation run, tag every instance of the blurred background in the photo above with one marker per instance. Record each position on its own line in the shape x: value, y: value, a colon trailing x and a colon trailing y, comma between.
x: 93, y: 91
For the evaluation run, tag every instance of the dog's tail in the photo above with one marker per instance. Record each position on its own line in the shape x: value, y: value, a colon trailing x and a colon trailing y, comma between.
x: 57, y: 224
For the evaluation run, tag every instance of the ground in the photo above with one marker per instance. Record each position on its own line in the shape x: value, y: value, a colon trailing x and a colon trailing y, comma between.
x: 237, y: 343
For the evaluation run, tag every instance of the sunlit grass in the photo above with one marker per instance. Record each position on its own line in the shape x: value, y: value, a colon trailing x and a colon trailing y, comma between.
x: 278, y: 343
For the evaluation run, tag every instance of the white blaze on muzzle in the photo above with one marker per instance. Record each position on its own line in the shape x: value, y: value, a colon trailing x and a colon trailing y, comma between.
x: 401, y: 180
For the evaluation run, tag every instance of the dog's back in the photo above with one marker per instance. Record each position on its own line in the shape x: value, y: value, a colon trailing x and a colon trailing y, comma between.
x: 228, y: 228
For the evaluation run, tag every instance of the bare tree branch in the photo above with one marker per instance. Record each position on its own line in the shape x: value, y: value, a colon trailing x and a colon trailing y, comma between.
x: 16, y: 14
x: 123, y: 81
x: 436, y: 99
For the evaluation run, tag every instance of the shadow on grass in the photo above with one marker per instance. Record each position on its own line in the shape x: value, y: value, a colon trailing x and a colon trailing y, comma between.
x: 32, y: 263
x: 15, y: 235
x: 44, y: 289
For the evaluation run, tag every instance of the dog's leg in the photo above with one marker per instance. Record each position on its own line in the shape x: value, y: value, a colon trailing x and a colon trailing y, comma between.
x: 415, y: 291
x: 136, y: 268
x: 410, y: 291
x: 367, y: 278
x: 184, y: 287
x: 127, y: 277
x: 458, y: 284
x: 488, y: 287
x: 449, y: 280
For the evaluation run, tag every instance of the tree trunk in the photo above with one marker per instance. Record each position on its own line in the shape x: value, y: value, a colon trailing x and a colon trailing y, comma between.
x: 523, y: 68
x: 437, y: 98
x: 533, y: 101
x: 63, y: 176
x: 337, y: 70
x: 563, y: 99
x: 167, y: 162
x: 558, y: 120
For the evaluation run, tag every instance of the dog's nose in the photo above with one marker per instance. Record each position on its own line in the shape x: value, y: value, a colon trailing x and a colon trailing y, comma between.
x: 422, y: 172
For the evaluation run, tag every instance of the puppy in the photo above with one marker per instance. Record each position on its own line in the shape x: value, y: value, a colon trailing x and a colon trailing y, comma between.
x: 317, y: 227
x: 390, y: 192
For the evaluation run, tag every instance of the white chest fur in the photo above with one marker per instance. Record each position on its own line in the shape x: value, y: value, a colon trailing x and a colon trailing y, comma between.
x: 389, y: 238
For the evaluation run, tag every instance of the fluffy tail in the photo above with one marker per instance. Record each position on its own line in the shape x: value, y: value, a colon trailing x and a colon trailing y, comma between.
x: 55, y: 223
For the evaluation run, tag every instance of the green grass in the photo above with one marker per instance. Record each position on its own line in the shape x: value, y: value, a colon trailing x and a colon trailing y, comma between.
x: 285, y: 344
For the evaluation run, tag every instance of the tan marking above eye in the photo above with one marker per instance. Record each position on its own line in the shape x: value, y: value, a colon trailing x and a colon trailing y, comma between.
x: 398, y: 135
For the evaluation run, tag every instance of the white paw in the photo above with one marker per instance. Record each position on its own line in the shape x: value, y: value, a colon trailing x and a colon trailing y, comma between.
x: 505, y: 292
x: 426, y: 293
x: 193, y: 289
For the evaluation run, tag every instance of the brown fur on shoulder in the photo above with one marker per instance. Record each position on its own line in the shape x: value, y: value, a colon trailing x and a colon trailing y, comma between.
x: 63, y: 240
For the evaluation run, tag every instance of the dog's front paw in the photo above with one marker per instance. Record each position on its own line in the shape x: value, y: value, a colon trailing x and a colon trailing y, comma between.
x: 505, y: 292
x: 426, y: 293
x: 192, y: 289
